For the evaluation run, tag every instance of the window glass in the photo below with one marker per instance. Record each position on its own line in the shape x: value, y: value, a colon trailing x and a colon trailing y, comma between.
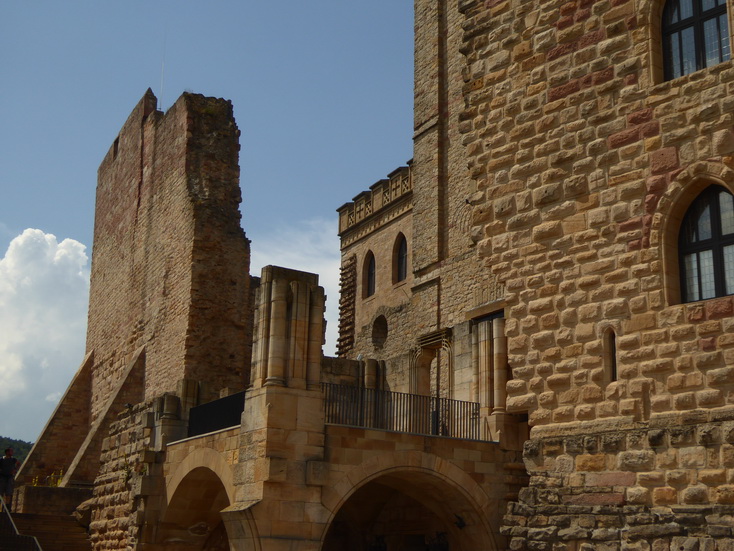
x: 724, y: 33
x: 706, y: 246
x: 691, y: 280
x: 711, y: 42
x: 699, y: 222
x: 371, y: 276
x: 402, y: 259
x: 686, y: 9
x: 729, y: 269
x: 675, y: 68
x: 706, y: 265
x: 726, y: 209
x: 689, y: 50
x: 695, y: 35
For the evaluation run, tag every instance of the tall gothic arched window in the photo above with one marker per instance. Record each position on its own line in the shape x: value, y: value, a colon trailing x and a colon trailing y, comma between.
x: 369, y: 275
x: 706, y: 246
x: 695, y: 35
x: 400, y: 260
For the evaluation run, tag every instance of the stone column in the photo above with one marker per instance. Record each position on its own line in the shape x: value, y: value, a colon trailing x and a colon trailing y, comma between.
x: 315, y: 336
x: 262, y: 345
x: 298, y: 337
x: 499, y: 360
x: 277, y: 349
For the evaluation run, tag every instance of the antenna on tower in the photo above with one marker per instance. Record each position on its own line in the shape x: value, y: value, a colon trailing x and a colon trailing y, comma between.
x: 163, y: 65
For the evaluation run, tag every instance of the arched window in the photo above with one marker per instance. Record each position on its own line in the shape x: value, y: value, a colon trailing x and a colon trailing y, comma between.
x: 695, y: 35
x: 368, y: 275
x: 706, y: 246
x: 400, y: 259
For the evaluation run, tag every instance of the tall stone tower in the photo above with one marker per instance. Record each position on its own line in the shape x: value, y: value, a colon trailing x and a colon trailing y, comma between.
x: 169, y: 307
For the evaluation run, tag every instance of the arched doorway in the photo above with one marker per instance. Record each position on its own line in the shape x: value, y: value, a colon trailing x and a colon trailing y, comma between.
x: 408, y: 510
x: 192, y: 520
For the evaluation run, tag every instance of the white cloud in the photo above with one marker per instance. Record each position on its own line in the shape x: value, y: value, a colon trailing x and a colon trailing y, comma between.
x: 309, y: 246
x: 44, y: 289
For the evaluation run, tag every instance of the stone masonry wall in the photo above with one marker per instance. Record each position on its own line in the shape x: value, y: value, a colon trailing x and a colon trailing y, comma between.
x: 586, y: 165
x: 585, y: 162
x: 129, y: 469
x: 170, y: 262
x: 665, y: 485
x: 448, y: 279
x: 389, y: 299
x: 448, y: 271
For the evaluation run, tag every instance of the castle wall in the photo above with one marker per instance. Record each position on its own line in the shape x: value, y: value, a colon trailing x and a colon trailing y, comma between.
x: 445, y: 259
x: 610, y: 160
x: 170, y: 262
x: 390, y: 299
x: 585, y: 162
x: 449, y: 282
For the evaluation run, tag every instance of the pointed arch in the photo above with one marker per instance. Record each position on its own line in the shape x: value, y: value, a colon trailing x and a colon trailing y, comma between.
x: 369, y: 275
x: 671, y: 210
x: 400, y: 259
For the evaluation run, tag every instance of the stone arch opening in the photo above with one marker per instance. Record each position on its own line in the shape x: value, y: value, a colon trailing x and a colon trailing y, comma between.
x: 409, y: 510
x: 672, y: 208
x: 192, y: 519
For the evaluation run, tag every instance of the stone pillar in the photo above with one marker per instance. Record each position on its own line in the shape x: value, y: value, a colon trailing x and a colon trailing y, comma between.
x: 298, y: 341
x: 483, y: 350
x: 290, y: 329
x: 476, y: 383
x: 315, y: 336
x: 370, y: 373
x: 262, y: 345
x: 277, y: 349
x: 499, y: 360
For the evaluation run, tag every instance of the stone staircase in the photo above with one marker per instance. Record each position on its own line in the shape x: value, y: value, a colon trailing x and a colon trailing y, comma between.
x: 10, y: 540
x: 53, y: 532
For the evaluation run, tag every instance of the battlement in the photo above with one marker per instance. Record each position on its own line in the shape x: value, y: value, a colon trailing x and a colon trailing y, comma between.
x: 381, y: 195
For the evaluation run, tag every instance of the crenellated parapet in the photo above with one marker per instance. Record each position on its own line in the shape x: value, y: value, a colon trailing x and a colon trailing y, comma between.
x: 384, y: 201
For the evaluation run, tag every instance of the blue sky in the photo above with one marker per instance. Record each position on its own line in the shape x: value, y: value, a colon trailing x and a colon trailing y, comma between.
x: 322, y: 94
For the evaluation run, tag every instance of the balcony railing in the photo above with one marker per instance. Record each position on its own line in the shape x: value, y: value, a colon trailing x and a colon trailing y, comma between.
x: 400, y: 412
x: 219, y: 414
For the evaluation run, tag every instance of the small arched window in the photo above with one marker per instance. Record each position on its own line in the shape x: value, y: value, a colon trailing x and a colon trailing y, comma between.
x: 695, y: 35
x: 369, y: 275
x: 400, y: 259
x: 706, y: 246
x: 610, y: 355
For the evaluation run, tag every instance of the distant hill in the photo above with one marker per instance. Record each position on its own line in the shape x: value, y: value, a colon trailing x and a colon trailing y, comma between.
x: 20, y: 448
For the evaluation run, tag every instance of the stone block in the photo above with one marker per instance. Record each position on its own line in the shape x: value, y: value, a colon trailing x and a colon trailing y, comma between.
x: 636, y: 460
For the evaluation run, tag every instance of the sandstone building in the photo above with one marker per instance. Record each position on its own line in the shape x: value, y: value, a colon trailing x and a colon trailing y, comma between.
x: 536, y: 336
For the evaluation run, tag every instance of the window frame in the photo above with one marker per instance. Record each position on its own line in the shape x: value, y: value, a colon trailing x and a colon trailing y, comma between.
x: 696, y: 21
x: 716, y: 244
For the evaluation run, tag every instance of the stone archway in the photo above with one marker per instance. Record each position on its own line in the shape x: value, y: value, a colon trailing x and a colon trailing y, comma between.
x: 410, y: 509
x: 192, y: 520
x: 197, y: 491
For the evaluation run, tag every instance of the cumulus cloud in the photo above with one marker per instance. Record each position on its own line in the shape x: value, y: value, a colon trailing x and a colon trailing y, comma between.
x: 44, y: 289
x: 309, y: 246
x: 44, y: 292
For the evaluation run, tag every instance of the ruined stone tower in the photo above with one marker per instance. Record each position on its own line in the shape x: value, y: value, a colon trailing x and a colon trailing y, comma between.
x: 169, y: 308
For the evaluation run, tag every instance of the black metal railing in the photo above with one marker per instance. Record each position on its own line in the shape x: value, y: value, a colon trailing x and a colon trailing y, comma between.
x: 219, y: 414
x: 400, y: 412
